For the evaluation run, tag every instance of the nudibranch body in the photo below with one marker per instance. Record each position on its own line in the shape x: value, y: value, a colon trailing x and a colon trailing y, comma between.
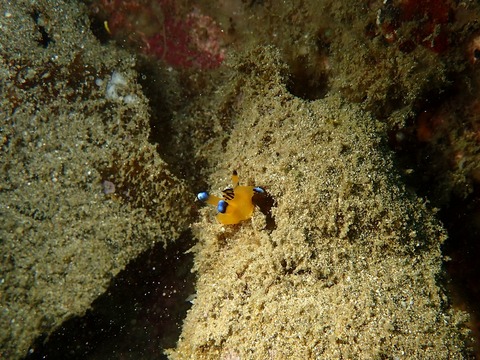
x: 237, y: 202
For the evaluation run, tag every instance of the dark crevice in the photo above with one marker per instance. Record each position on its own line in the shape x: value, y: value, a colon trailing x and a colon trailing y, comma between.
x: 162, y: 112
x: 305, y: 85
x: 99, y: 29
x: 44, y: 39
x: 309, y: 73
x: 139, y: 315
x: 462, y: 219
x: 168, y: 97
x: 430, y: 172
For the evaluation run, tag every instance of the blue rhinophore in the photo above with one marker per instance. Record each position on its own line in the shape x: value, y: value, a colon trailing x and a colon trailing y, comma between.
x: 202, y: 196
x: 259, y: 190
x: 222, y: 206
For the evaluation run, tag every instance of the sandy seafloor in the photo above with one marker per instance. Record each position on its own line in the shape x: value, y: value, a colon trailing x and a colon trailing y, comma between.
x: 350, y: 266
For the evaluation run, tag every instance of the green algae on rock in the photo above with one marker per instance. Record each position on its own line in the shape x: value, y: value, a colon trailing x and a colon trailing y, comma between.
x: 351, y: 269
x: 73, y: 116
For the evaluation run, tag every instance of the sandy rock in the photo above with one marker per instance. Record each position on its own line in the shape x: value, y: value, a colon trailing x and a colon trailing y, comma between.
x: 352, y: 267
x: 82, y: 190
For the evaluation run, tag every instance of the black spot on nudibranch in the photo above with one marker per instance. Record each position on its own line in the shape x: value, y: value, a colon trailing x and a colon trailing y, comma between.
x: 228, y: 194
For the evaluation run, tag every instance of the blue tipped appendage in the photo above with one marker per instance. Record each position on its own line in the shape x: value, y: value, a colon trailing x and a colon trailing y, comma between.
x: 222, y: 206
x: 202, y: 196
x: 259, y: 190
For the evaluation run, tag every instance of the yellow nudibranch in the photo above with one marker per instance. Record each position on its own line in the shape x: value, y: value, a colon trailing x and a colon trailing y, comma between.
x: 237, y: 203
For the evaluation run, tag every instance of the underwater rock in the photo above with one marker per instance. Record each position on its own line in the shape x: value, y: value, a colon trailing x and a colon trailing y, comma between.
x: 73, y: 118
x: 353, y: 267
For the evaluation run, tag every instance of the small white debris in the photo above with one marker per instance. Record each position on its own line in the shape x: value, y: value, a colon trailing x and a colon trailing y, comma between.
x: 191, y: 298
x: 118, y: 79
x: 116, y: 84
x: 130, y: 99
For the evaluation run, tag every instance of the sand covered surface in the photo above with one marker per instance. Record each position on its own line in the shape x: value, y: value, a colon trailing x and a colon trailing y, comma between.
x: 351, y: 268
x: 82, y: 191
x: 347, y: 264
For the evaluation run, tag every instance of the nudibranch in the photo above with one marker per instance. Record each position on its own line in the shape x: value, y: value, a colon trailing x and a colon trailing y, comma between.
x: 237, y: 202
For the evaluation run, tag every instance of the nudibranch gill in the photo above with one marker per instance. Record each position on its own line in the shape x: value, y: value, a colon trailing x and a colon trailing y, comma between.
x: 237, y: 202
